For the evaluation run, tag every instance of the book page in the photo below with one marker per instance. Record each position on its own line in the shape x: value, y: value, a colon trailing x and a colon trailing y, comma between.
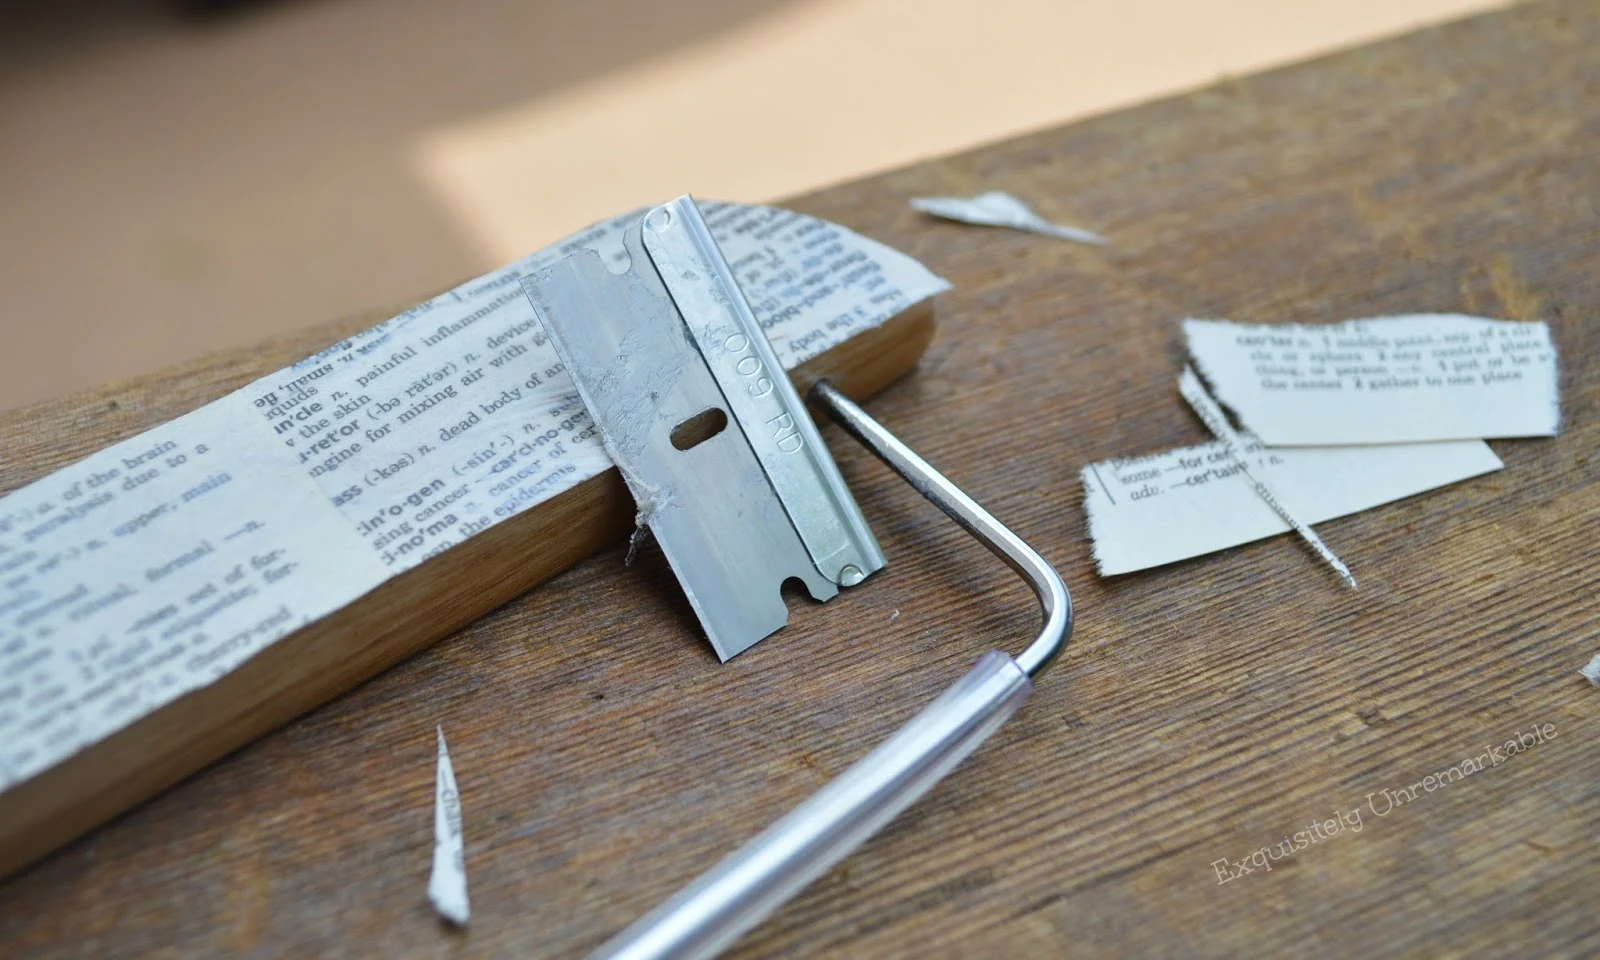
x: 155, y: 566
x: 1403, y: 379
x: 1147, y: 511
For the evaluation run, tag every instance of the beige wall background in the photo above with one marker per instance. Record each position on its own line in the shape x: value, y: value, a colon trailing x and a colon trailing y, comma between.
x: 170, y: 188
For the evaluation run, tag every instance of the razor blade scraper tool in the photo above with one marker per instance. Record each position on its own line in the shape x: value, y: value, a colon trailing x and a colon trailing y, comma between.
x: 728, y: 470
x: 732, y: 478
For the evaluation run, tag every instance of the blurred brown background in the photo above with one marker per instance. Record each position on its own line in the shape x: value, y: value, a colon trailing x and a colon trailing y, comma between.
x: 171, y: 184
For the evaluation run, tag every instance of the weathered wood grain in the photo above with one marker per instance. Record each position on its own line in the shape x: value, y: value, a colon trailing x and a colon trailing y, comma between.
x: 1204, y: 711
x: 329, y: 656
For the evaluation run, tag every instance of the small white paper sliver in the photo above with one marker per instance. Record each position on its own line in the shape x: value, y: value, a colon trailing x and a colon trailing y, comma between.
x: 447, y: 885
x: 997, y: 209
x: 1148, y: 511
x: 1211, y: 415
x: 1402, y: 379
x: 1591, y: 670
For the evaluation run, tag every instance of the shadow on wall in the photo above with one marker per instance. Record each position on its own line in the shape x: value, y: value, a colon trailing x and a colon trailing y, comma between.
x: 222, y: 175
x: 173, y: 185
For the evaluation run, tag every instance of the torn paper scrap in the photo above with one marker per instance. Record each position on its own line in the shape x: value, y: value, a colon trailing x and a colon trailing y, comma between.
x: 998, y: 209
x: 1591, y: 670
x: 1148, y: 511
x: 447, y: 885
x: 1404, y: 379
x: 1211, y: 415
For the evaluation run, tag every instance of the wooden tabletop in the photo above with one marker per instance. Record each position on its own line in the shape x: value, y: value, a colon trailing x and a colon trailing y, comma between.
x: 1204, y: 711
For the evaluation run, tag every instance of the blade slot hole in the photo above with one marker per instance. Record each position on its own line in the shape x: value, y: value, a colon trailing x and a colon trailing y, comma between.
x: 699, y: 428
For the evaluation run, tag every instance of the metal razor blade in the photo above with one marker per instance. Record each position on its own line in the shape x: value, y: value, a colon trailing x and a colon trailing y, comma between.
x: 728, y: 470
x: 731, y: 476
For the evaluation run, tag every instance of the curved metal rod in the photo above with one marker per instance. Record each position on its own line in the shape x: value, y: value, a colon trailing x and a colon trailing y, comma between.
x: 1042, y: 577
x: 748, y: 884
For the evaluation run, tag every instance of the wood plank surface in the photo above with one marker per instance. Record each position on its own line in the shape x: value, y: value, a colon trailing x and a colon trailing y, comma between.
x: 1204, y: 711
x: 329, y: 656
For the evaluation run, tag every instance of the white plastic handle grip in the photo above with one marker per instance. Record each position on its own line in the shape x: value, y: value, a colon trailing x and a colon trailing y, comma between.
x: 756, y: 879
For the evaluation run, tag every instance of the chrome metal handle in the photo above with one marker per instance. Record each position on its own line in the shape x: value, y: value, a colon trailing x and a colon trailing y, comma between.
x: 748, y: 885
x: 753, y: 881
x: 1046, y: 583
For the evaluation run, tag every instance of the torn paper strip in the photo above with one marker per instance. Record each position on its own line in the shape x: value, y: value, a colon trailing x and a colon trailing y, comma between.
x: 158, y: 565
x: 998, y: 209
x: 1591, y: 670
x: 1387, y: 380
x: 447, y: 885
x: 1211, y: 415
x: 1147, y: 511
